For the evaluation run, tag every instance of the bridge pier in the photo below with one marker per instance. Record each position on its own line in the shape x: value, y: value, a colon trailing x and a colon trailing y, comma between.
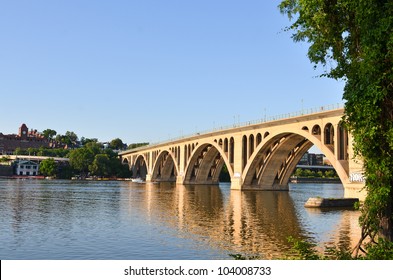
x: 180, y: 179
x: 148, y: 178
x: 236, y: 183
x: 352, y: 190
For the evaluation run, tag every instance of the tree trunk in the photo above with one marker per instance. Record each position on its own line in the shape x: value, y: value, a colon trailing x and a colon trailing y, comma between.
x: 386, y: 223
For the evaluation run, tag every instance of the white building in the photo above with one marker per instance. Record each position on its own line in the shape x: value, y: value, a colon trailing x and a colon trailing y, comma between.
x: 27, y: 168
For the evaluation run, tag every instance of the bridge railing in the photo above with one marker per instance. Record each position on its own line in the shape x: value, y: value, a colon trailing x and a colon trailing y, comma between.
x: 302, y: 112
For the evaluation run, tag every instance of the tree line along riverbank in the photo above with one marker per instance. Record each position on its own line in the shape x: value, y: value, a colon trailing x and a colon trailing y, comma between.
x: 90, y: 160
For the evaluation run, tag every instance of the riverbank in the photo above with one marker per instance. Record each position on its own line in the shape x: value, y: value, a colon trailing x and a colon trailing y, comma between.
x: 17, y: 177
x: 314, y: 180
x: 294, y: 180
x: 23, y: 177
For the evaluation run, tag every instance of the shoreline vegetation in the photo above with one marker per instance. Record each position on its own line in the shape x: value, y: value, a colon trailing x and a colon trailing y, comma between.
x: 90, y: 160
x: 311, y: 180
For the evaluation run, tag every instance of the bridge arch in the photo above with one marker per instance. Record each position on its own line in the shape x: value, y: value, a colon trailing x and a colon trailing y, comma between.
x: 276, y: 158
x: 257, y: 155
x: 139, y: 167
x: 165, y: 167
x: 206, y: 163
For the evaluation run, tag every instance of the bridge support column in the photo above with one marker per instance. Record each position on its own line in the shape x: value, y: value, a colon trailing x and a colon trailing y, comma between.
x: 236, y: 182
x: 148, y: 178
x: 353, y: 190
x: 180, y: 179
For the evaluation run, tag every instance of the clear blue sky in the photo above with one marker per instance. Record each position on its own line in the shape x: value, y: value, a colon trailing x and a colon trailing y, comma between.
x: 149, y: 70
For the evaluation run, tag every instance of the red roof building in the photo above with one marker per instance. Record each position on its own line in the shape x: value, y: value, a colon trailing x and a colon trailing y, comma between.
x: 25, y: 139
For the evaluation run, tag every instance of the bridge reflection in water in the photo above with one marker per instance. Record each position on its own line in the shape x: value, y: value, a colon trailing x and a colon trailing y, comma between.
x: 52, y: 219
x: 250, y: 223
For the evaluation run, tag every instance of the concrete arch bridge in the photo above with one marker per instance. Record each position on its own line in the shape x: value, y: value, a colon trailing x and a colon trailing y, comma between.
x: 259, y: 156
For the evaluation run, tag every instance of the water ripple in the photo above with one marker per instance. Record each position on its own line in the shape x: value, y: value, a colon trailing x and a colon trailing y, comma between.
x: 123, y: 220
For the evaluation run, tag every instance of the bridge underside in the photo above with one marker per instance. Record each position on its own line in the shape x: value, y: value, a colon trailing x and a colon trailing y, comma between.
x: 269, y: 169
x: 275, y: 163
x: 164, y: 170
x: 205, y: 167
x: 139, y: 169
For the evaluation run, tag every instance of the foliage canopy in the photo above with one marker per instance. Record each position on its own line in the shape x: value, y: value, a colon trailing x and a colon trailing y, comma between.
x: 353, y: 41
x: 48, y: 167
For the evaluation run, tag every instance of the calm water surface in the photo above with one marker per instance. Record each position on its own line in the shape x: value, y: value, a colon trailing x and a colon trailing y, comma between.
x: 124, y: 220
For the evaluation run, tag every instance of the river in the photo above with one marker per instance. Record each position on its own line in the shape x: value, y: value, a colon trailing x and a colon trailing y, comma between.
x: 113, y: 220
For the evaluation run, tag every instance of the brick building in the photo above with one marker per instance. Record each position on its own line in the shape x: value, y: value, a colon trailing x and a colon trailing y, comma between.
x: 24, y: 139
